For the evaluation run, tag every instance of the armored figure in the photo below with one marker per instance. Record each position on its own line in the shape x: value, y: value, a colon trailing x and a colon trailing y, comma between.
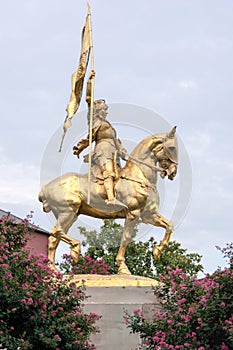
x: 108, y: 147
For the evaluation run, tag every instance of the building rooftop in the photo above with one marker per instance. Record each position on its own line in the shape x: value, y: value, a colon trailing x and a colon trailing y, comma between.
x: 17, y: 220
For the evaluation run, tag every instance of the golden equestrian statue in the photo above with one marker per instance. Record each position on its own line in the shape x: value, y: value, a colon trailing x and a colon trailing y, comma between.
x: 134, y: 186
x: 108, y: 191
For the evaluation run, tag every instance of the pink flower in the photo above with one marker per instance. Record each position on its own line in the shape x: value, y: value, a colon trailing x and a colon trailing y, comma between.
x: 186, y: 318
x: 57, y: 337
x: 191, y: 310
x: 181, y: 301
x: 156, y: 339
x: 30, y: 301
x: 203, y: 300
x: 162, y: 343
x: 228, y: 322
x: 136, y: 311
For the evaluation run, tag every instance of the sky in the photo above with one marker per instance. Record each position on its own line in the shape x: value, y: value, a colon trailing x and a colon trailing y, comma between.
x: 171, y: 57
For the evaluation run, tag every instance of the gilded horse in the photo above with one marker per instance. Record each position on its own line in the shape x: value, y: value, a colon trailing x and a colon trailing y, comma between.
x: 135, y: 186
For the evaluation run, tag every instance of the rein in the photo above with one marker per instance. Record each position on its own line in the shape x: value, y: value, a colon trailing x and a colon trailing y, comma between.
x: 157, y: 168
x: 149, y: 185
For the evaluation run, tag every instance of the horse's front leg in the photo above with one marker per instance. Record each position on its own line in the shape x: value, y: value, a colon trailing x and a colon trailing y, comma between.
x: 75, y: 246
x: 59, y: 233
x: 158, y: 220
x: 168, y: 225
x: 53, y: 242
x: 130, y: 222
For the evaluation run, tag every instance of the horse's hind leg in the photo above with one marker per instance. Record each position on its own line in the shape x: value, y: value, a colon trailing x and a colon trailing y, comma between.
x: 158, y: 220
x: 130, y: 222
x: 59, y: 232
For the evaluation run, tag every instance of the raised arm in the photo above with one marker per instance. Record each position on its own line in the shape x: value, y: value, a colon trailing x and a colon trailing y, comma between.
x: 83, y: 143
x: 88, y: 91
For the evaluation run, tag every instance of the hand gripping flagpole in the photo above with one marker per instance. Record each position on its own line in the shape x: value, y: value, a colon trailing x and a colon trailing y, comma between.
x: 91, y: 105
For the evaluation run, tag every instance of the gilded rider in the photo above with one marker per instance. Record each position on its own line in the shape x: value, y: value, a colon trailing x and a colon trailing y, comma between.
x: 108, y: 147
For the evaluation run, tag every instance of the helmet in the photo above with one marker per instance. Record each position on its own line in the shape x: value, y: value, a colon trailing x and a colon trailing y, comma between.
x: 100, y: 107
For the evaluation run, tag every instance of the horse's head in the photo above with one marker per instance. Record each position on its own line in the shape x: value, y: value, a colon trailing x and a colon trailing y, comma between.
x: 165, y: 149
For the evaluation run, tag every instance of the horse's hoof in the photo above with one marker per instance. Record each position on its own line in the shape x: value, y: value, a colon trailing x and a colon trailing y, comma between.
x: 75, y: 253
x: 52, y: 267
x: 124, y: 271
x: 156, y: 253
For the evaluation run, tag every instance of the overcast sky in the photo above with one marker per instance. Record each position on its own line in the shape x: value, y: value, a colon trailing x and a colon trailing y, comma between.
x: 172, y: 57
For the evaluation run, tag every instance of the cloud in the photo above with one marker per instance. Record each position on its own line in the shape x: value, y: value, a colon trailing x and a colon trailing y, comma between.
x: 188, y: 84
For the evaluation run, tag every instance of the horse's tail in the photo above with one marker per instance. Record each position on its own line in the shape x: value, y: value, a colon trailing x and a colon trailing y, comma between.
x: 45, y: 203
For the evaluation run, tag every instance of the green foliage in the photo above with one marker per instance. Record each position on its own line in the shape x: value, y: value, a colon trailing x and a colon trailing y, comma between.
x: 196, y: 314
x: 175, y: 257
x: 39, y: 310
x: 227, y: 253
x: 105, y: 244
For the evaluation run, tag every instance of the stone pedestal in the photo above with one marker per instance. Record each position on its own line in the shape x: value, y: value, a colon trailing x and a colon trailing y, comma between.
x: 111, y: 302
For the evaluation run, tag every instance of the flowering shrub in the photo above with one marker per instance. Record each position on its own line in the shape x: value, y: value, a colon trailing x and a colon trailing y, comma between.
x: 38, y: 309
x: 196, y: 313
x: 85, y: 265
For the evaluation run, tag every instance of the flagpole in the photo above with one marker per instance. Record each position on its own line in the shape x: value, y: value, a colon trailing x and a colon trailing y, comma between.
x: 91, y: 105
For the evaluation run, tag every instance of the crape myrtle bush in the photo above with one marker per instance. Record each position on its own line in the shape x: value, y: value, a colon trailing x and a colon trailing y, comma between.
x: 85, y: 265
x: 38, y: 309
x: 196, y: 313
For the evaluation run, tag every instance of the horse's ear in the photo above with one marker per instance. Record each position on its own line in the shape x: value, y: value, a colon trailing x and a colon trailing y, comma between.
x: 172, y: 132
